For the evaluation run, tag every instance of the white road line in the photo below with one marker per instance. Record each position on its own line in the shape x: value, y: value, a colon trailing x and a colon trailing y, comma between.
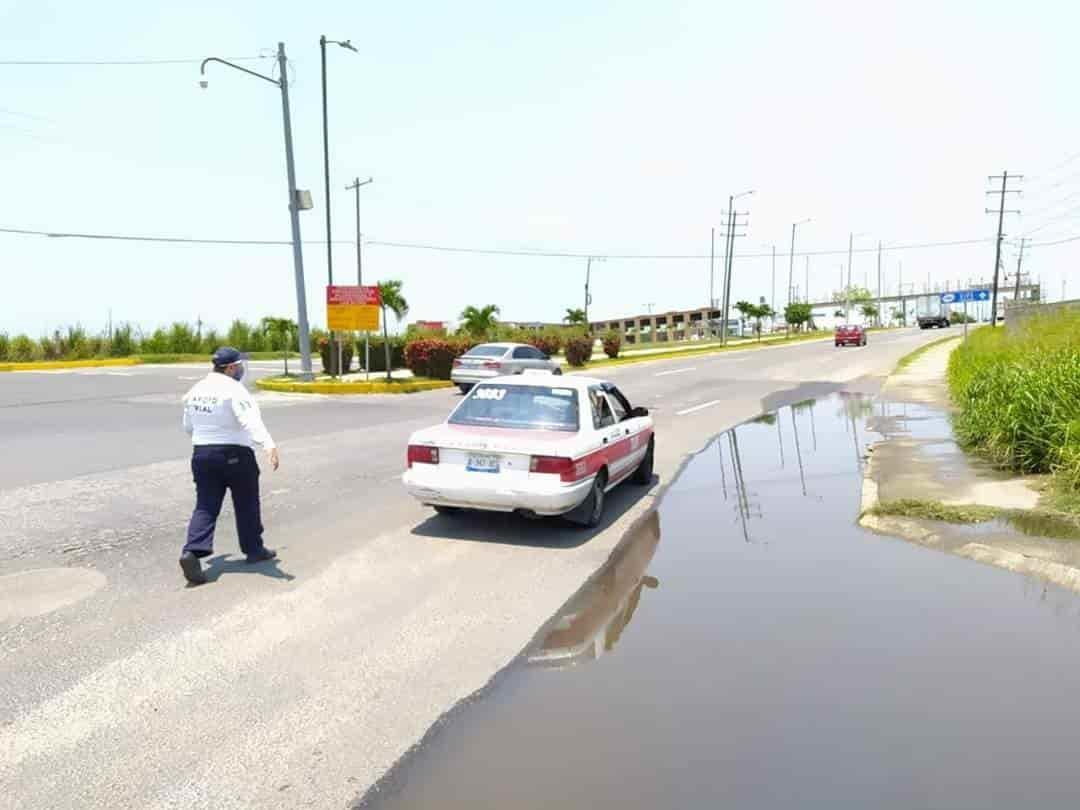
x: 700, y: 407
x: 675, y: 371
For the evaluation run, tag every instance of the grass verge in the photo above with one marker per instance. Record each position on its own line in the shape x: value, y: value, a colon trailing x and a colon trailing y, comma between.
x: 1018, y: 395
x: 911, y: 357
x: 716, y: 348
x: 1040, y: 522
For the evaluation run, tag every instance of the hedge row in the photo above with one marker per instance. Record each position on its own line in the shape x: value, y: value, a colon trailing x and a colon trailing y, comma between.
x: 76, y: 343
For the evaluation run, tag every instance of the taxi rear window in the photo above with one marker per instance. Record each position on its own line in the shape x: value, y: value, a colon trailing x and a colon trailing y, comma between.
x: 526, y: 407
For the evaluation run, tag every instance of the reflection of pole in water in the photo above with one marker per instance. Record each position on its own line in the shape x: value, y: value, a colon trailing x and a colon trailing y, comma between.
x: 740, y: 483
x: 855, y: 439
x: 780, y: 438
x: 813, y: 427
x: 798, y: 450
x: 723, y: 477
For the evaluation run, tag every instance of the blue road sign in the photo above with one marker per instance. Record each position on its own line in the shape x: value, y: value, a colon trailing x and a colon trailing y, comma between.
x: 960, y: 296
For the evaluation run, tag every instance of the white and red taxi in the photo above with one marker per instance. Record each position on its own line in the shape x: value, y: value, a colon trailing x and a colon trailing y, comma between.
x: 537, y: 444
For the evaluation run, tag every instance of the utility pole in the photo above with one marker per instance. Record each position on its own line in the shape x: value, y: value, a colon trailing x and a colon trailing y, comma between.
x: 791, y: 262
x: 879, y: 282
x: 356, y: 184
x: 733, y: 221
x: 1004, y: 176
x: 1019, y: 261
x: 588, y: 276
x: 772, y: 303
x: 712, y: 268
x: 807, y: 279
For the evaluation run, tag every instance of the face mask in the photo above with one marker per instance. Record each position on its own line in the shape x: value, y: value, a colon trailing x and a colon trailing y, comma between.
x: 238, y: 371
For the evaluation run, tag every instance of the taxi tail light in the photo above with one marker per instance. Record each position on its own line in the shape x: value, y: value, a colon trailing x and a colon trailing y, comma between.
x: 553, y: 465
x: 457, y: 362
x: 422, y: 454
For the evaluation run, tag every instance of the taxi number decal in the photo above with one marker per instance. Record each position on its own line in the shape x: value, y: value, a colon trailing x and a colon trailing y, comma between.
x: 490, y: 393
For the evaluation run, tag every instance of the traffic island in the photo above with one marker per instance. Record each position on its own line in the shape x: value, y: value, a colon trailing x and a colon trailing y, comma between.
x: 329, y: 385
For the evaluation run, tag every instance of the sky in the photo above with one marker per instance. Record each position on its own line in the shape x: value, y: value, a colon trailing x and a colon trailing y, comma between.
x: 611, y: 129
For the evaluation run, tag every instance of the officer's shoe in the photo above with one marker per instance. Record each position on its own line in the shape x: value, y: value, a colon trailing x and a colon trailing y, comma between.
x: 192, y: 568
x: 262, y: 555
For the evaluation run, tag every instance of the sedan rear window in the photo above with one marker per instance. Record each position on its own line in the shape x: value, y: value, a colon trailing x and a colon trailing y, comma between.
x: 524, y: 407
x: 486, y: 351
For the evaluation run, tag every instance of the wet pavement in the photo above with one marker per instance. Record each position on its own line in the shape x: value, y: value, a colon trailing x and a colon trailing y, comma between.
x: 749, y: 646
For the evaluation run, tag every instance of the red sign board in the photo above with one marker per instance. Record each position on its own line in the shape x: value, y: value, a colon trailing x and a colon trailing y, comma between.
x: 431, y: 326
x: 352, y: 294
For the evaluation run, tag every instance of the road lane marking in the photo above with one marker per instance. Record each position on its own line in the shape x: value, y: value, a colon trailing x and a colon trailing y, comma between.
x: 675, y: 371
x: 700, y: 407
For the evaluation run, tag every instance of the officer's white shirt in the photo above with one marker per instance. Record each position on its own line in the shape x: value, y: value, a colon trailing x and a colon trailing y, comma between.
x: 220, y: 410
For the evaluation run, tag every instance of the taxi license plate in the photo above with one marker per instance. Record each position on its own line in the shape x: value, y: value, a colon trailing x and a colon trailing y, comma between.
x: 482, y: 463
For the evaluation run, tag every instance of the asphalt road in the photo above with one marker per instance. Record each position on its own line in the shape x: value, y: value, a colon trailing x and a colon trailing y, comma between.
x: 299, y: 682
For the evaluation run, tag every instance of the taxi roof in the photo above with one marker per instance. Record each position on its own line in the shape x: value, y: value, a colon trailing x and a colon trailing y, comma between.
x: 578, y: 383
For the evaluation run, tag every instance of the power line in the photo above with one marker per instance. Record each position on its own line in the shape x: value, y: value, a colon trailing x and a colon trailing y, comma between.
x: 117, y: 62
x: 495, y: 251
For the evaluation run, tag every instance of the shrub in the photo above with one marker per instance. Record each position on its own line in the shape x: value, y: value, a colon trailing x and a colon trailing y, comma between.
x: 50, y: 347
x: 377, y: 349
x: 183, y: 340
x: 24, y: 349
x: 123, y: 341
x: 157, y: 343
x: 5, y: 345
x: 434, y: 357
x: 579, y: 350
x: 210, y: 342
x: 550, y: 342
x: 612, y: 343
x: 328, y: 353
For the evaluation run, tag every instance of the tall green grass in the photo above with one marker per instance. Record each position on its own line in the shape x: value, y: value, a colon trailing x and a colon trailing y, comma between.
x: 1019, y: 396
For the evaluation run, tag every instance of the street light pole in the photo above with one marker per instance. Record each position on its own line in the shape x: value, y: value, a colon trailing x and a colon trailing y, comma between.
x: 733, y: 219
x: 323, y: 42
x: 791, y: 263
x: 294, y: 209
x: 294, y: 221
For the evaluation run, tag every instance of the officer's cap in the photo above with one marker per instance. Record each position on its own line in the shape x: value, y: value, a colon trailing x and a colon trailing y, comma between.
x: 226, y: 356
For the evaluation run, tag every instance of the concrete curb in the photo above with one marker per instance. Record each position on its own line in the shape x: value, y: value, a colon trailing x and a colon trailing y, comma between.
x: 50, y: 365
x: 283, y: 387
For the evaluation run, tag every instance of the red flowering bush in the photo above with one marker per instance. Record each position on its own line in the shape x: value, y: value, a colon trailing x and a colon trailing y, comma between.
x: 579, y: 350
x: 612, y: 344
x: 550, y: 343
x: 434, y: 357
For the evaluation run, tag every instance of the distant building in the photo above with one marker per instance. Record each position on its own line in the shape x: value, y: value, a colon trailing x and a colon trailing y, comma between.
x: 661, y: 327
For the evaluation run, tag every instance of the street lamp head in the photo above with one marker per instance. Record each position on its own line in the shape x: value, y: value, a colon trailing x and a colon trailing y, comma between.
x: 203, y: 83
x: 347, y: 44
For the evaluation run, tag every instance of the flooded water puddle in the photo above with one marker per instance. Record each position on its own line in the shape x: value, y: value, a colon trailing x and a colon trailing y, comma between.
x: 749, y: 647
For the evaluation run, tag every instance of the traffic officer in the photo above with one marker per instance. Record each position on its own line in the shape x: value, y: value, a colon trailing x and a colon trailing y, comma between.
x: 224, y: 422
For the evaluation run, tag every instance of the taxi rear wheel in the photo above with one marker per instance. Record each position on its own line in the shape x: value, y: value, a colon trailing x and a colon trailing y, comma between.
x: 644, y: 473
x: 591, y: 512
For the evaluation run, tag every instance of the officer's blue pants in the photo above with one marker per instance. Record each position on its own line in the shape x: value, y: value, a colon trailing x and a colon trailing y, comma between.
x: 217, y: 468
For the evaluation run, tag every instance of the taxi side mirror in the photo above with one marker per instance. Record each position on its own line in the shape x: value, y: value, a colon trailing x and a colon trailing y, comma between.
x: 638, y: 412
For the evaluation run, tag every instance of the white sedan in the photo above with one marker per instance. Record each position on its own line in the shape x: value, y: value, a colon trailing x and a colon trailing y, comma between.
x: 539, y: 445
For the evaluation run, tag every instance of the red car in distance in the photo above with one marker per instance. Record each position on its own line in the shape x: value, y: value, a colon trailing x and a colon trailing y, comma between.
x: 850, y: 336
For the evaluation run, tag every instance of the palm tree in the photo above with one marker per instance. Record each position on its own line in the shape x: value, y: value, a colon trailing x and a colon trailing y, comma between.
x: 280, y: 331
x: 479, y: 322
x: 390, y: 298
x: 576, y: 317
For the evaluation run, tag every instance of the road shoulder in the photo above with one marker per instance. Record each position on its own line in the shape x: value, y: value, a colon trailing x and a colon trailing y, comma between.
x: 921, y: 486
